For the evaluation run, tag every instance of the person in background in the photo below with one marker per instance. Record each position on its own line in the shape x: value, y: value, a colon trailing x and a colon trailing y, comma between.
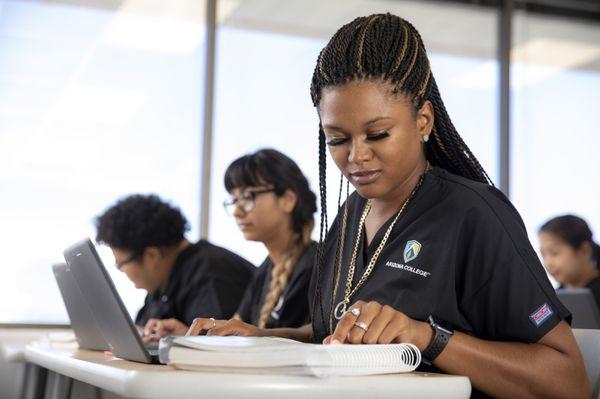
x: 272, y: 203
x: 570, y: 254
x: 183, y: 279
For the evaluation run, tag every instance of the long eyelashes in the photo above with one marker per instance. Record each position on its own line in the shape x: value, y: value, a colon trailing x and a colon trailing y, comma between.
x: 334, y: 142
x: 378, y: 136
x: 371, y: 137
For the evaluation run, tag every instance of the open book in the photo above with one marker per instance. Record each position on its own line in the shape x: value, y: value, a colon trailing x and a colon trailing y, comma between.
x: 284, y: 356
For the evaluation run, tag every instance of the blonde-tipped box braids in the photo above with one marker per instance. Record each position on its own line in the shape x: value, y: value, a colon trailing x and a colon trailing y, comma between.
x: 282, y: 271
x: 386, y: 48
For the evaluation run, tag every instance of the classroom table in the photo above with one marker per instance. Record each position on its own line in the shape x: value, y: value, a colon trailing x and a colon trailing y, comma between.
x: 13, y: 341
x: 138, y: 380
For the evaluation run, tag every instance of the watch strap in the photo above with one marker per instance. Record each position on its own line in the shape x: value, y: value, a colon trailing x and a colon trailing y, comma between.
x: 438, y: 343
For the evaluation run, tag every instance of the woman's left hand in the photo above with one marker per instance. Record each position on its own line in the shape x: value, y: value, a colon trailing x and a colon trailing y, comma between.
x: 383, y: 325
x: 234, y: 326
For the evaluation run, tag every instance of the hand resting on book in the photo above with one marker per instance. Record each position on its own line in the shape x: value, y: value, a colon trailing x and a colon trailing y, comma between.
x: 382, y: 324
x: 201, y: 326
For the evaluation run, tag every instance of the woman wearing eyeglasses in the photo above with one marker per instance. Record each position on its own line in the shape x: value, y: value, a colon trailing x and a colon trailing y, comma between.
x: 272, y: 203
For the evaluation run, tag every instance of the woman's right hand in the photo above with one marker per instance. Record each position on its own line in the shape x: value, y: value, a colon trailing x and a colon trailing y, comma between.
x: 156, y: 329
x: 201, y: 326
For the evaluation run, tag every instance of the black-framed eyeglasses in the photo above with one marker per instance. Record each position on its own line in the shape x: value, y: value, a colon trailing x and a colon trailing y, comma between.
x: 134, y: 256
x: 246, y: 201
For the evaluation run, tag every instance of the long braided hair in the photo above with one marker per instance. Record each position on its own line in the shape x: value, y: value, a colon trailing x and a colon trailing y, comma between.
x: 386, y: 48
x: 271, y: 167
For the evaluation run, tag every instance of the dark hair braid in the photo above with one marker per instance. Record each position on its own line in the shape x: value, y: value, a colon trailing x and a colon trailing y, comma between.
x: 388, y: 48
x: 320, y: 253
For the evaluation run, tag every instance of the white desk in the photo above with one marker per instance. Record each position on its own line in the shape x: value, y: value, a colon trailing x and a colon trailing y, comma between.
x: 17, y: 378
x: 14, y: 340
x: 137, y: 380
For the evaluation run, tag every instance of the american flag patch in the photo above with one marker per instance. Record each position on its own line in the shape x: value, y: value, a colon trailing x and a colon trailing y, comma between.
x: 541, y: 314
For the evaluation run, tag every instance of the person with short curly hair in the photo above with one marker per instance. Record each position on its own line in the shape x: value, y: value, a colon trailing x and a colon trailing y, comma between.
x: 183, y: 280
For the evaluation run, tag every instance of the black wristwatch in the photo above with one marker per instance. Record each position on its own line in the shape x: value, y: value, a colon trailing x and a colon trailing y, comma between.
x: 438, y: 343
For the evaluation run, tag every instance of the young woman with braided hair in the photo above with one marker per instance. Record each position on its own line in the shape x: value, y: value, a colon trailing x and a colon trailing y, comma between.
x: 426, y: 251
x: 272, y: 203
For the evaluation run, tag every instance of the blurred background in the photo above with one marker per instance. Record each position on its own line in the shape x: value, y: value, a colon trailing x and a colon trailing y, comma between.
x: 103, y: 98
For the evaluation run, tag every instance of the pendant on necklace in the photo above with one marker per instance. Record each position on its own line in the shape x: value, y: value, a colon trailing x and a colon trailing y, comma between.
x: 339, y: 310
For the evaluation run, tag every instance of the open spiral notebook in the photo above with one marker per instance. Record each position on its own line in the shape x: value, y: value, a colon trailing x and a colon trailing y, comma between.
x: 270, y: 355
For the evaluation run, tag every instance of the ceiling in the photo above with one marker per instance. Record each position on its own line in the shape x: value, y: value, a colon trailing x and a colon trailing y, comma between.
x: 447, y: 27
x: 464, y: 28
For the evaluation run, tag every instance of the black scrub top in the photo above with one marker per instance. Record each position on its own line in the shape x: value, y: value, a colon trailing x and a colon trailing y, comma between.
x: 594, y: 286
x: 206, y: 281
x: 459, y: 252
x: 292, y: 309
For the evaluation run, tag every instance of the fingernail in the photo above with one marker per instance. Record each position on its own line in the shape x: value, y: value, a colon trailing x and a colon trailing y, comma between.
x: 335, y: 342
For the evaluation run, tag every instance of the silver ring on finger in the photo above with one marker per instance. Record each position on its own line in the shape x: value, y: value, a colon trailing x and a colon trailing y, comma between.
x: 214, y: 323
x: 363, y: 326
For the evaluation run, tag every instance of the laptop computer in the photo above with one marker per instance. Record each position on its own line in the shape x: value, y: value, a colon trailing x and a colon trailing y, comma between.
x: 582, y: 305
x: 85, y: 326
x: 95, y: 284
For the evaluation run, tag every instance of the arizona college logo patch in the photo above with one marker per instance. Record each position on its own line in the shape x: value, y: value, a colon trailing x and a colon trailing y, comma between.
x: 411, y: 251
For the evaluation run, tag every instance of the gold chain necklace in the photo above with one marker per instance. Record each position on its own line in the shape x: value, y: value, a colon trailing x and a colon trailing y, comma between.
x: 342, y: 306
